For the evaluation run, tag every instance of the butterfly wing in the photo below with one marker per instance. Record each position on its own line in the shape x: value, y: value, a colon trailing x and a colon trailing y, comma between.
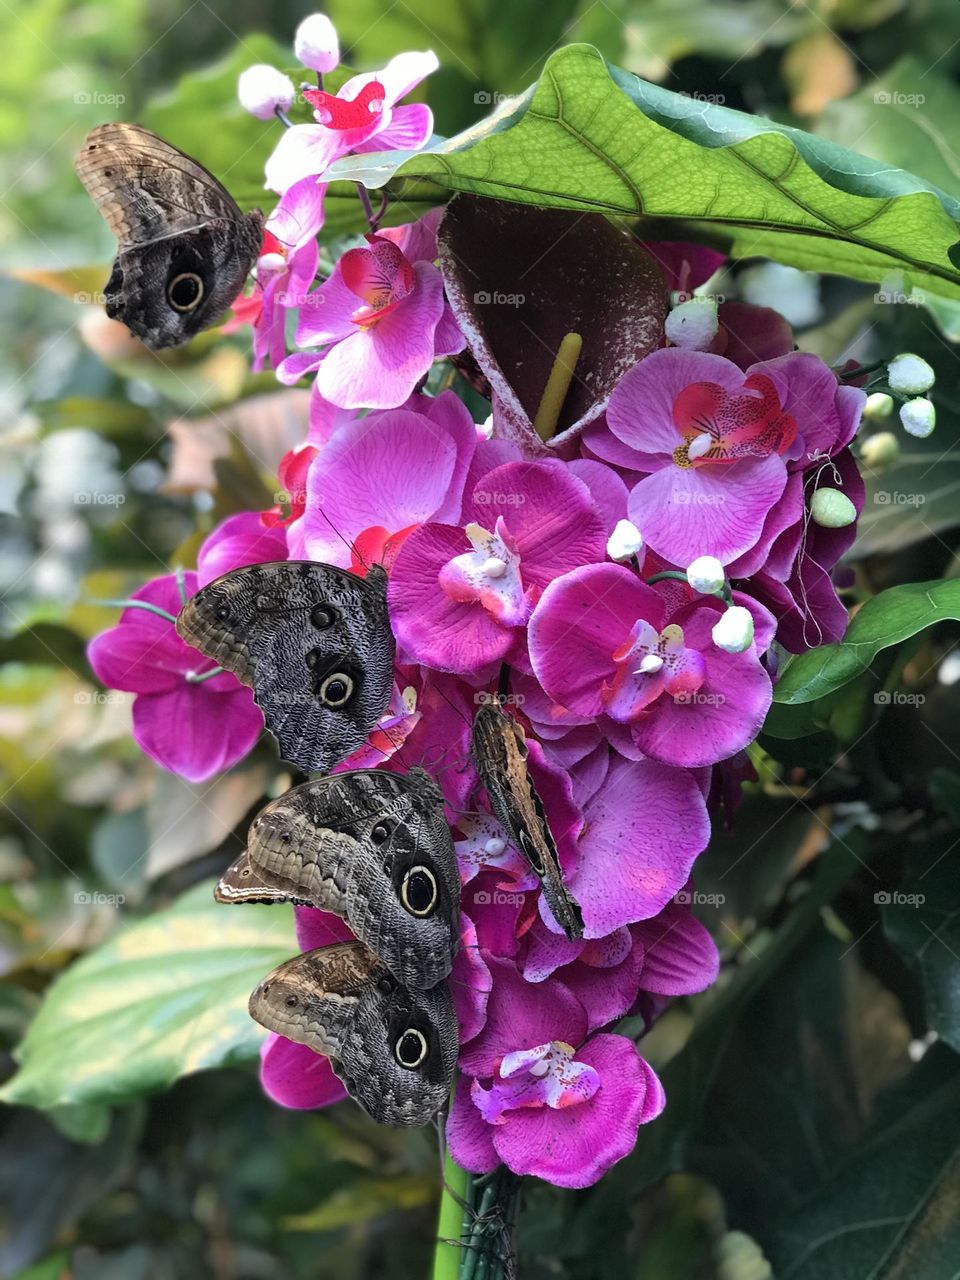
x: 500, y: 753
x: 314, y: 643
x: 394, y: 1049
x: 374, y: 848
x: 185, y: 246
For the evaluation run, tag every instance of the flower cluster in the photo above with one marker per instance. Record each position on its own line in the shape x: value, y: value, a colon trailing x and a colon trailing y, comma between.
x: 637, y: 578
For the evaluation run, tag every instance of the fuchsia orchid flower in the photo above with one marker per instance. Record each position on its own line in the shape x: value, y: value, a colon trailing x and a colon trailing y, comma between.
x: 286, y: 269
x: 460, y: 597
x: 380, y: 321
x: 195, y: 728
x: 603, y: 643
x: 362, y: 115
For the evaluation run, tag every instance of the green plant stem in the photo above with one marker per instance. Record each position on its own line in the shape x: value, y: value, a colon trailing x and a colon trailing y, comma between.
x: 450, y: 1223
x: 134, y: 604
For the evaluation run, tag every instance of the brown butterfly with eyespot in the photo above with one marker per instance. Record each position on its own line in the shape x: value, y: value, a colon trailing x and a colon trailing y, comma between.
x: 500, y: 752
x: 184, y: 247
x: 374, y: 848
x: 393, y: 1047
x: 314, y: 643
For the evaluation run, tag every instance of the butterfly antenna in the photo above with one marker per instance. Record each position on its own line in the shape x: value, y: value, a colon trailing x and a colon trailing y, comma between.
x: 347, y: 542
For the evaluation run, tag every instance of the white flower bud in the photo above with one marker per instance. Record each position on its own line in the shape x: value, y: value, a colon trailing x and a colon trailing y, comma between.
x: 910, y: 374
x: 706, y: 575
x: 734, y: 631
x: 261, y: 89
x: 880, y: 450
x: 918, y: 417
x: 625, y: 541
x: 316, y: 44
x: 693, y: 325
x: 832, y: 509
x: 879, y: 405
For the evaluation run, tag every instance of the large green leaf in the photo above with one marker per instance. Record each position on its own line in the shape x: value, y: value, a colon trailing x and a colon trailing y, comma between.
x: 885, y: 620
x: 162, y: 998
x: 889, y: 1210
x: 921, y: 917
x: 590, y: 136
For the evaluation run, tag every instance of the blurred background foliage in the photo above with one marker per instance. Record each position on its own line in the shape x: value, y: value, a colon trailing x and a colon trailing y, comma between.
x: 814, y: 1093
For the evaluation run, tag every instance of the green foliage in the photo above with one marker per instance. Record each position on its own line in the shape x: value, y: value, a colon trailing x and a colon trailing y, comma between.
x: 592, y: 137
x: 801, y: 1139
x: 163, y: 998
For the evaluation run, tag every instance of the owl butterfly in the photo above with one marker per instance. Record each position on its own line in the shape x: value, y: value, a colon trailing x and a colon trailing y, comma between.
x: 500, y: 753
x: 394, y: 1048
x: 312, y: 641
x: 372, y: 847
x: 184, y: 246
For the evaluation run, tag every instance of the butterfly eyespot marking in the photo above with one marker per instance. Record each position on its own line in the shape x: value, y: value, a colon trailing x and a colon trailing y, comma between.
x: 245, y: 871
x: 222, y: 613
x: 291, y: 1002
x: 381, y: 832
x: 284, y: 836
x: 411, y: 1049
x: 185, y: 291
x: 387, y: 984
x: 336, y: 690
x: 322, y: 617
x: 418, y: 892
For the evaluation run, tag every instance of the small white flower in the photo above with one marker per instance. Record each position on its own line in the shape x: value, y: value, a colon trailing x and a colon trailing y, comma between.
x: 910, y: 374
x: 832, y: 509
x: 261, y: 89
x: 625, y: 541
x: 734, y: 631
x: 706, y: 575
x: 316, y: 44
x: 694, y: 324
x: 918, y: 417
x: 880, y: 450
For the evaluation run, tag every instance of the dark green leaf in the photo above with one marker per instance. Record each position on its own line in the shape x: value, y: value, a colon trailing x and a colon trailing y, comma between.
x: 888, y: 618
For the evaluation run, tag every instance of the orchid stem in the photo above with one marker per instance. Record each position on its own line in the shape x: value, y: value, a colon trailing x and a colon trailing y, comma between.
x: 133, y: 604
x: 558, y: 384
x: 283, y: 117
x: 450, y: 1224
x: 367, y: 206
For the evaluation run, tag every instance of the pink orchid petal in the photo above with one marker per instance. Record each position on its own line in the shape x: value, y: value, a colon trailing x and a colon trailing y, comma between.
x: 194, y: 732
x: 294, y: 1076
x: 409, y: 128
x: 679, y: 955
x: 575, y: 1147
x: 643, y: 830
x: 378, y: 367
x: 519, y: 1016
x: 684, y: 513
x: 316, y: 928
x: 239, y: 540
x: 305, y: 150
x: 469, y: 1137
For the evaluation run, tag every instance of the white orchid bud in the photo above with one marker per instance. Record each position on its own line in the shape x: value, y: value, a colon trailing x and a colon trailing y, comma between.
x: 910, y: 374
x: 625, y: 542
x: 879, y: 405
x: 261, y: 89
x: 832, y: 509
x: 316, y: 44
x: 706, y: 575
x: 693, y: 325
x: 734, y: 631
x: 918, y: 417
x: 880, y: 450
